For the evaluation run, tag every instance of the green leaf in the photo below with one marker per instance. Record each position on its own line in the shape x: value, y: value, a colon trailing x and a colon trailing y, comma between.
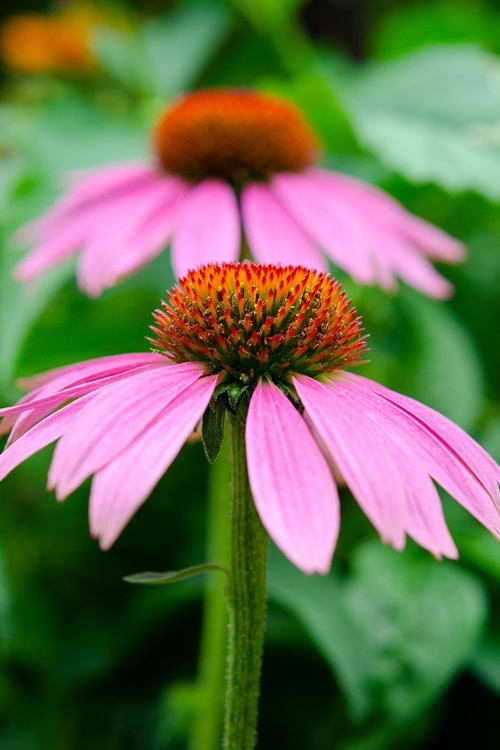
x: 317, y: 602
x: 432, y: 116
x: 178, y: 47
x: 212, y: 429
x: 446, y: 372
x: 410, y: 27
x: 421, y: 621
x: 486, y: 662
x: 173, y: 576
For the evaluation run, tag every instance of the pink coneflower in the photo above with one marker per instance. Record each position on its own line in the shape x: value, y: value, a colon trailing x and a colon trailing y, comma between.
x: 227, y: 164
x: 270, y: 345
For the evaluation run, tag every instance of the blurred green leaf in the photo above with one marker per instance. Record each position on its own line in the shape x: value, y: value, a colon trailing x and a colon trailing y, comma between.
x: 486, y: 662
x: 409, y: 27
x: 420, y: 621
x: 411, y: 112
x: 178, y: 47
x: 323, y: 107
x: 446, y: 372
x: 317, y: 602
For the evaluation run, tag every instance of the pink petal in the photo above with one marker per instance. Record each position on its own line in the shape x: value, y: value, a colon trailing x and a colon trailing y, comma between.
x: 423, y: 516
x: 62, y: 244
x: 318, y: 212
x: 272, y: 233
x: 470, y: 453
x: 361, y: 456
x: 384, y: 210
x: 91, y: 369
x: 119, y: 221
x: 208, y: 228
x: 425, y: 521
x: 448, y: 454
x: 59, y: 380
x: 432, y: 240
x: 65, y: 394
x: 123, y: 485
x: 112, y: 419
x: 291, y: 483
x: 415, y: 269
x: 39, y: 437
x: 145, y: 244
x: 91, y: 185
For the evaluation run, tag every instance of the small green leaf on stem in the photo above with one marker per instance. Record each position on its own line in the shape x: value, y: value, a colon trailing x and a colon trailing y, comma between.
x: 173, y: 576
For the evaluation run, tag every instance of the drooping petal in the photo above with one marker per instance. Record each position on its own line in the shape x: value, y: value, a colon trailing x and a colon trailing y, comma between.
x: 385, y: 233
x: 119, y: 220
x: 361, y: 456
x: 327, y: 223
x: 92, y: 373
x: 154, y: 235
x: 423, y: 516
x: 385, y: 211
x: 92, y: 368
x: 448, y: 454
x: 291, y: 483
x: 469, y: 452
x: 88, y: 186
x: 424, y: 520
x: 273, y: 234
x: 65, y: 394
x: 39, y: 437
x: 208, y: 228
x: 55, y: 248
x: 120, y: 488
x: 113, y: 419
x: 414, y: 268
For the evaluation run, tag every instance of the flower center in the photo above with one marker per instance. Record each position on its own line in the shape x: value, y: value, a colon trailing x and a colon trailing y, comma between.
x: 237, y: 136
x: 250, y: 321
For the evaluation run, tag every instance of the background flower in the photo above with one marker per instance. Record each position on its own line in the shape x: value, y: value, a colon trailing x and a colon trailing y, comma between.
x: 59, y: 43
x: 219, y: 153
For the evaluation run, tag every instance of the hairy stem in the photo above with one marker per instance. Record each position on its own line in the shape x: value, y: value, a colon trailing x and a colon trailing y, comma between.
x: 246, y: 604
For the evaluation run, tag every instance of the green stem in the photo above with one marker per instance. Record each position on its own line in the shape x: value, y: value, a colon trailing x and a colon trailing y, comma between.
x: 246, y: 603
x: 207, y: 726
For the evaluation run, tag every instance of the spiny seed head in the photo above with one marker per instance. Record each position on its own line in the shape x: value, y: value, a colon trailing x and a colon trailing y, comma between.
x: 252, y: 321
x: 239, y: 136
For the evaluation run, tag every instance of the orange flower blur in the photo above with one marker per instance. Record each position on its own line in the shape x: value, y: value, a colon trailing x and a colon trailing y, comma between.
x: 61, y: 43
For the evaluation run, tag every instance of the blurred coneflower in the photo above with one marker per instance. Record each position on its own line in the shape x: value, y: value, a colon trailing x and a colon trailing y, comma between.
x: 56, y: 43
x: 235, y: 173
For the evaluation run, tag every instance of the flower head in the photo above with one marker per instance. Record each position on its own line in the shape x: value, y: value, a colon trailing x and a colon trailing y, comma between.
x: 238, y: 136
x: 270, y: 344
x: 227, y: 164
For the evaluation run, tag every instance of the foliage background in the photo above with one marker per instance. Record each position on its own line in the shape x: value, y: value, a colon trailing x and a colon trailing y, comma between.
x: 390, y: 650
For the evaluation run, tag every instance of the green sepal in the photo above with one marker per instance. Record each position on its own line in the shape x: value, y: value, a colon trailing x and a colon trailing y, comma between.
x: 212, y: 429
x: 173, y: 576
x: 290, y: 392
x: 234, y: 395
